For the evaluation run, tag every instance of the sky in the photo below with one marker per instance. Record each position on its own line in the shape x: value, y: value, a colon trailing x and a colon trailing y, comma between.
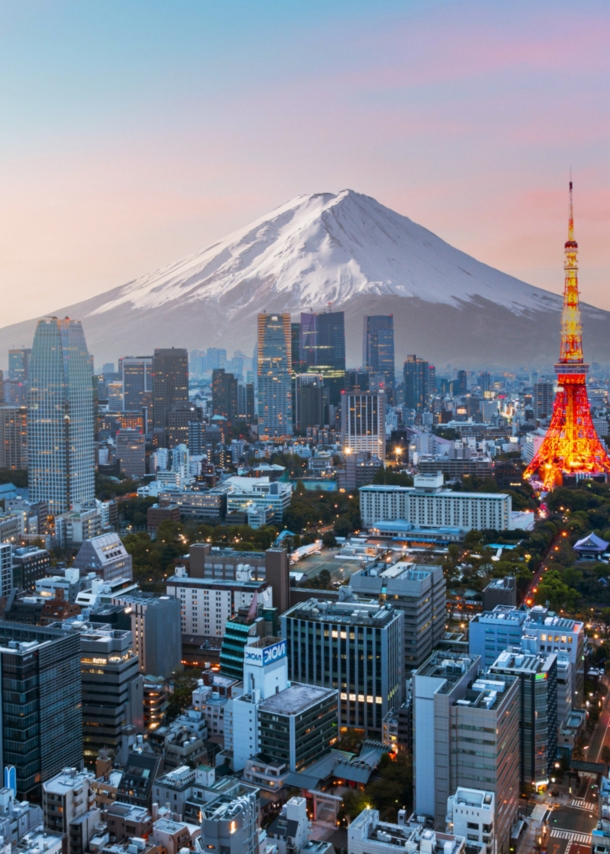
x: 133, y: 133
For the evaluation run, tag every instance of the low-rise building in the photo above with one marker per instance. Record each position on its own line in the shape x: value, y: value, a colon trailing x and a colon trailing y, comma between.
x: 229, y: 825
x: 65, y: 798
x: 106, y: 556
x: 471, y: 815
x: 427, y: 505
x: 368, y: 835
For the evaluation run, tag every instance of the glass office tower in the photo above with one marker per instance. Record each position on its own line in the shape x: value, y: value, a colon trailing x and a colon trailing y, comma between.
x: 61, y: 457
x: 322, y: 349
x: 378, y: 347
x: 274, y: 374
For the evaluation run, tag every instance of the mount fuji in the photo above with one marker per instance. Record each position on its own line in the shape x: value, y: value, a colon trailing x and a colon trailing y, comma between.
x: 343, y: 250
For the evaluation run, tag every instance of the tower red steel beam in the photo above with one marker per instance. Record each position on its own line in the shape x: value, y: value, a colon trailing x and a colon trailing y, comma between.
x: 571, y: 445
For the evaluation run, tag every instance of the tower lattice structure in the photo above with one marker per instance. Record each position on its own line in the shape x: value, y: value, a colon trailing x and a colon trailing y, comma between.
x: 571, y: 445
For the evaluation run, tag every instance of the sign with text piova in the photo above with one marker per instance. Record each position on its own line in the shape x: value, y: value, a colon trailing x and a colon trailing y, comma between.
x: 265, y: 656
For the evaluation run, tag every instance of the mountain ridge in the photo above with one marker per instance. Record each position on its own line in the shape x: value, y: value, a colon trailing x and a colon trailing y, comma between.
x: 351, y: 252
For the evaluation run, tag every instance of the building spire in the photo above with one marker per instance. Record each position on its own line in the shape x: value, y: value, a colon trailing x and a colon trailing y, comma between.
x: 571, y: 327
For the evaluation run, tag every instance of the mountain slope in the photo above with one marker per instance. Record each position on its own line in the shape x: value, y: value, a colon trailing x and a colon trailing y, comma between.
x: 346, y: 250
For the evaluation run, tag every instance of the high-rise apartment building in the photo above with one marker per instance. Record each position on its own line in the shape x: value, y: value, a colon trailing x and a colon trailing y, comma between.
x: 415, y: 378
x: 170, y: 385
x: 378, y: 347
x: 538, y: 716
x: 13, y: 437
x: 322, y: 349
x: 363, y: 423
x: 61, y: 455
x: 41, y: 703
x: 19, y: 364
x: 274, y: 375
x: 467, y: 734
x: 543, y: 399
x: 136, y: 374
x: 356, y: 647
x: 224, y: 395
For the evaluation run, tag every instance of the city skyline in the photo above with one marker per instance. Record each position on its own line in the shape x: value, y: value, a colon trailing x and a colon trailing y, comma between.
x: 423, y: 106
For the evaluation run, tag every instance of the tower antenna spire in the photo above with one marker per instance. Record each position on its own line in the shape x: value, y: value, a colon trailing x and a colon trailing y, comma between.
x: 571, y: 220
x: 571, y: 446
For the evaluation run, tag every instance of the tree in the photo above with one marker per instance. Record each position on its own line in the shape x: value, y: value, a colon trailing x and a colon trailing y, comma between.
x: 329, y: 540
x: 553, y: 590
x: 181, y: 694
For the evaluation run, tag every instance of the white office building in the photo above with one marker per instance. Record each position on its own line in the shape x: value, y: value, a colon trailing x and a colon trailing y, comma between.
x: 428, y: 505
x: 207, y: 603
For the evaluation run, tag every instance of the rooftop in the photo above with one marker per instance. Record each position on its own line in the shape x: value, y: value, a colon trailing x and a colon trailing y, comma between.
x: 450, y: 666
x: 522, y: 662
x: 294, y: 699
x: 354, y: 613
x: 66, y: 781
x: 473, y: 797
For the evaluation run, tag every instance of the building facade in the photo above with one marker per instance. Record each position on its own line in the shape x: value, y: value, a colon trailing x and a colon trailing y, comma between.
x: 428, y: 505
x: 363, y: 423
x: 13, y: 437
x: 420, y: 592
x: 169, y: 387
x: 274, y: 373
x: 61, y: 457
x: 41, y: 697
x: 378, y: 347
x: 356, y: 647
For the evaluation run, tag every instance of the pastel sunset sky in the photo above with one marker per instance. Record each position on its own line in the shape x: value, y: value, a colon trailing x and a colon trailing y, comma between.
x: 135, y: 132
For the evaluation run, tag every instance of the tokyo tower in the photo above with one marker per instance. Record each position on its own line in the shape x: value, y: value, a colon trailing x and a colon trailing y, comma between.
x: 571, y: 445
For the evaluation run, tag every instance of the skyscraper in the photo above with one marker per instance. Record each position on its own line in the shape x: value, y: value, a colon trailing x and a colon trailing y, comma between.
x: 363, y: 422
x: 309, y: 401
x: 41, y: 701
x: 274, y: 375
x: 415, y: 376
x: 170, y: 385
x: 378, y: 346
x: 295, y: 337
x: 136, y: 374
x: 542, y: 399
x: 18, y: 364
x: 13, y: 437
x: 60, y: 417
x: 224, y: 395
x: 322, y: 349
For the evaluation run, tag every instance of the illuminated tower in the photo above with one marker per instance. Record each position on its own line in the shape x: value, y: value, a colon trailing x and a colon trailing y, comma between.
x: 571, y: 445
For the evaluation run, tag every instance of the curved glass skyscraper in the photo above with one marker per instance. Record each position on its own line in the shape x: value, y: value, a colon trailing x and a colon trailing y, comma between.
x: 60, y: 417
